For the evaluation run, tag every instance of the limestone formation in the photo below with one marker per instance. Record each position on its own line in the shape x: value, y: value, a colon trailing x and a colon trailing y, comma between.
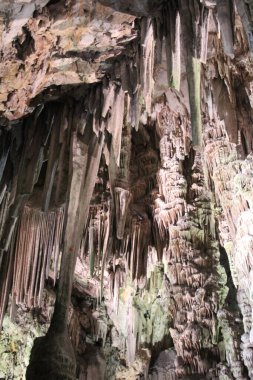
x: 126, y: 202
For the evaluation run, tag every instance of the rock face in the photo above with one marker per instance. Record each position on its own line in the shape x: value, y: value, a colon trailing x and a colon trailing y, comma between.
x: 126, y: 186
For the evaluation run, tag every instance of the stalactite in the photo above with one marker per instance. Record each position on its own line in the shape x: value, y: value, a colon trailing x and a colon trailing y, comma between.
x: 140, y: 230
x: 122, y: 200
x: 104, y: 252
x: 147, y: 62
x: 173, y: 46
x: 114, y: 104
x: 194, y: 69
x: 195, y: 35
x: 91, y: 248
x: 5, y: 149
x: 118, y: 280
x: 241, y: 6
x: 54, y: 153
x: 4, y: 202
x: 225, y: 20
x: 115, y: 123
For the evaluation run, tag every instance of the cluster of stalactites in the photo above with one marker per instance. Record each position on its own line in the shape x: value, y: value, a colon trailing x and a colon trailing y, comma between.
x: 37, y: 254
x: 184, y: 27
x: 187, y: 27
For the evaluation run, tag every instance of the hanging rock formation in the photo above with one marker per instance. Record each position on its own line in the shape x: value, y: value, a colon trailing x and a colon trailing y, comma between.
x: 126, y: 222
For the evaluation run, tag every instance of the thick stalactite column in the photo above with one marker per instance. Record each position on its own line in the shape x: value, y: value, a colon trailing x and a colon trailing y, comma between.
x: 53, y: 355
x: 195, y: 27
x: 189, y: 15
x: 173, y: 44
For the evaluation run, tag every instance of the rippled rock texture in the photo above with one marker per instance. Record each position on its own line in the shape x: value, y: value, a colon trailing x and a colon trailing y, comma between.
x: 126, y: 219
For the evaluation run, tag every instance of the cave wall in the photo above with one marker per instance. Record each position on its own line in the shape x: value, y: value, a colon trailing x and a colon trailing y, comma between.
x: 126, y: 186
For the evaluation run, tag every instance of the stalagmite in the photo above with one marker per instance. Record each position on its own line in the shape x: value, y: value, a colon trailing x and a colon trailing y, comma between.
x: 182, y: 272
